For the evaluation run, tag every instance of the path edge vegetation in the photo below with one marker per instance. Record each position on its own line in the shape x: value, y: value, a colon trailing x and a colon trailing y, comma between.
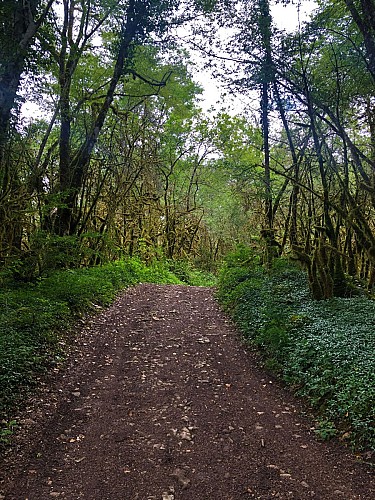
x: 38, y: 320
x: 322, y: 349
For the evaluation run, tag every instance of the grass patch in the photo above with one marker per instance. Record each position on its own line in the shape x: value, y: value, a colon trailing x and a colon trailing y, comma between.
x: 324, y: 349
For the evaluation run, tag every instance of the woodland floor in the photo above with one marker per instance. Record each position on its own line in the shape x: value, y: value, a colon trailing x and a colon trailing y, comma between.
x: 161, y: 400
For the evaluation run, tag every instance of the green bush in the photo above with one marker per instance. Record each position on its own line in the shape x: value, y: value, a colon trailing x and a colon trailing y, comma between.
x: 189, y: 274
x: 324, y: 349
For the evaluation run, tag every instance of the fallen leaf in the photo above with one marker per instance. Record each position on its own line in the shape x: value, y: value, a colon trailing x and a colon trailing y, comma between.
x: 204, y: 340
x: 168, y: 495
x: 182, y: 479
x: 346, y: 435
x: 185, y: 434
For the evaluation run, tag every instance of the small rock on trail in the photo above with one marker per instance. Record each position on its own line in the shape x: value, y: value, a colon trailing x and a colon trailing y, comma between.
x: 162, y: 401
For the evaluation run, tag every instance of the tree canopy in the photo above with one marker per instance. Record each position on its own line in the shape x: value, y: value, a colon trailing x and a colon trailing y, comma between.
x: 124, y: 160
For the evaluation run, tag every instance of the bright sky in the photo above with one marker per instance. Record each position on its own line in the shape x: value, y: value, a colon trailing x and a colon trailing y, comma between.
x: 285, y: 17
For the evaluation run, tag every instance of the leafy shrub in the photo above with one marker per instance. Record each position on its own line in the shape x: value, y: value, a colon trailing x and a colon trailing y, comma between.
x: 323, y: 348
x: 201, y: 278
x: 158, y: 272
x: 6, y: 430
x: 189, y: 274
x: 180, y: 268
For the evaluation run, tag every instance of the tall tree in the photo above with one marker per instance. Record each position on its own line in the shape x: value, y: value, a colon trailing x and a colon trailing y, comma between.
x: 19, y: 22
x: 363, y: 13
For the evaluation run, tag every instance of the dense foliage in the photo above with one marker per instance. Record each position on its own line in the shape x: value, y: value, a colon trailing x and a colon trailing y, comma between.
x: 324, y: 349
x: 124, y: 162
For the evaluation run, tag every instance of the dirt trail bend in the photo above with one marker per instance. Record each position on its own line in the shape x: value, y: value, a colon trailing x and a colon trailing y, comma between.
x: 163, y: 402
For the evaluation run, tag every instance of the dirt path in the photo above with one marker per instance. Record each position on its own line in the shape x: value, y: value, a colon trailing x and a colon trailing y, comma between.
x: 163, y: 402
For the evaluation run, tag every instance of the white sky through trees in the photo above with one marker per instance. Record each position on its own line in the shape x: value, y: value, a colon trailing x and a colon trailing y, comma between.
x: 285, y: 17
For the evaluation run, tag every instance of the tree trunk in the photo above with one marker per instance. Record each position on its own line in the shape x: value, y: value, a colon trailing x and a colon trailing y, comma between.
x: 266, y: 76
x: 76, y: 169
x: 365, y: 21
x: 17, y: 29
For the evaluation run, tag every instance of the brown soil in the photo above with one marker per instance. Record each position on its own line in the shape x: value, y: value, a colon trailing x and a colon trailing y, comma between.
x: 162, y: 401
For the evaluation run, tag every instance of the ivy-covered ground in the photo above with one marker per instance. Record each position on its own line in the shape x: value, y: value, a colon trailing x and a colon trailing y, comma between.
x: 324, y: 349
x: 36, y: 318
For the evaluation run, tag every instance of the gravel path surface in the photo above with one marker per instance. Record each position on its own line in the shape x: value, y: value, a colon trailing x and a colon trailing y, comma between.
x: 160, y: 400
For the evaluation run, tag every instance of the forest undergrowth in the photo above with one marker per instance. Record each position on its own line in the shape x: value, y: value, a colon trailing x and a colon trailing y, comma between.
x: 323, y: 349
x: 37, y: 319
